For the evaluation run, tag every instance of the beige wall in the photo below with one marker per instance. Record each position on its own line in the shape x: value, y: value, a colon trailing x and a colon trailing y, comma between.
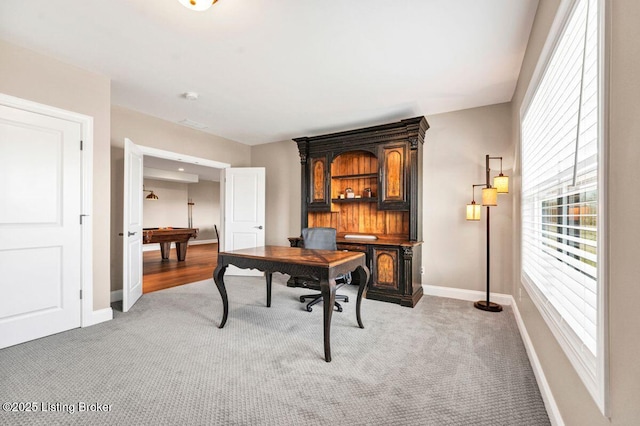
x: 623, y: 178
x: 170, y: 209
x: 156, y: 133
x: 282, y: 169
x: 454, y: 249
x: 29, y: 75
x: 206, y: 210
x: 454, y: 151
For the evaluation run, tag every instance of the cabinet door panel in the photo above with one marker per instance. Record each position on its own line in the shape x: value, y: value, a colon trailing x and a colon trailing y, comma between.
x: 318, y: 183
x: 386, y: 271
x: 393, y: 177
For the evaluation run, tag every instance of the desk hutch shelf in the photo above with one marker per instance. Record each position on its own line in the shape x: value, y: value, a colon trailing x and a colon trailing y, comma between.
x: 368, y: 182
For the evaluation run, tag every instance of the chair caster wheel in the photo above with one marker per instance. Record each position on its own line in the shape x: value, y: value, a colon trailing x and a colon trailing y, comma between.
x: 346, y: 300
x: 301, y: 299
x: 339, y: 308
x: 309, y: 309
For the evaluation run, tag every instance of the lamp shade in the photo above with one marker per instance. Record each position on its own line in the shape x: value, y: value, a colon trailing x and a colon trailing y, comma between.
x: 197, y: 5
x: 489, y: 196
x: 501, y: 183
x: 473, y: 211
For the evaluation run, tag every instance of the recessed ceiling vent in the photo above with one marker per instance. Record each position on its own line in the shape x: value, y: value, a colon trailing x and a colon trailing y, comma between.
x: 194, y: 124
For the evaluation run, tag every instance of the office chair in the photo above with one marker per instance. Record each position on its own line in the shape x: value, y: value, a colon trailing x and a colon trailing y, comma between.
x: 322, y: 239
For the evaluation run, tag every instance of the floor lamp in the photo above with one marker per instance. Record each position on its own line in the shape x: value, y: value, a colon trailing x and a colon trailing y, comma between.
x: 489, y: 199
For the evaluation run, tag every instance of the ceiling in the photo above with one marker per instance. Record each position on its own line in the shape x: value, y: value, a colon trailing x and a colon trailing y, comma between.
x: 203, y: 172
x: 269, y: 71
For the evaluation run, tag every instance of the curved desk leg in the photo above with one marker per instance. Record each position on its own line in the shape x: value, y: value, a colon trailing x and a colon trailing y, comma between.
x: 328, y: 290
x: 218, y: 277
x: 363, y: 277
x: 268, y: 277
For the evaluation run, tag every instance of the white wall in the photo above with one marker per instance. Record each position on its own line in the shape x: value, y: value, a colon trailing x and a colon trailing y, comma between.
x: 170, y: 209
x: 206, y: 209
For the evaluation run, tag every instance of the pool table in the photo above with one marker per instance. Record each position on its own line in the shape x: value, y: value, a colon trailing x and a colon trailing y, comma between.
x: 166, y: 236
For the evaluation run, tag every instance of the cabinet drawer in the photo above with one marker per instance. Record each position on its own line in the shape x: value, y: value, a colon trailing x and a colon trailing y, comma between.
x: 352, y: 247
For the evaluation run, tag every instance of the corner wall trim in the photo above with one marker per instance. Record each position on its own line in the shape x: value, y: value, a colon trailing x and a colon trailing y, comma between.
x: 116, y: 296
x: 101, y: 315
x: 506, y: 299
x: 541, y: 379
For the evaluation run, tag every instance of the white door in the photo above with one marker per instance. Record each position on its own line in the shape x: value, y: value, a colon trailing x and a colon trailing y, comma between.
x: 40, y: 230
x: 132, y: 229
x: 242, y: 198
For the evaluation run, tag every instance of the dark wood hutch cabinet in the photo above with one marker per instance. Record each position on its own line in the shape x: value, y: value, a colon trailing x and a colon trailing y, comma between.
x: 367, y: 183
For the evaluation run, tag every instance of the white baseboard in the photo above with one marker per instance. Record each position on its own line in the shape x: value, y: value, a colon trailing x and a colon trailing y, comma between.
x: 545, y: 390
x: 506, y: 299
x: 462, y: 294
x: 116, y: 296
x: 101, y: 315
x: 198, y: 242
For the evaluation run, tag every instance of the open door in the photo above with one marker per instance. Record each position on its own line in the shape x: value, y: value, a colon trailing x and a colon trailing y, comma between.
x: 132, y: 226
x: 242, y: 210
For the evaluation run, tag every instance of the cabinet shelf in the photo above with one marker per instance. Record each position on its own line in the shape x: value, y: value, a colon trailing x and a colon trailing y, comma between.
x: 357, y: 176
x: 355, y: 200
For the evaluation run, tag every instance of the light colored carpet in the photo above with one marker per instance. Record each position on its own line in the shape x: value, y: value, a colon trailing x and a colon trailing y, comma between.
x: 166, y: 363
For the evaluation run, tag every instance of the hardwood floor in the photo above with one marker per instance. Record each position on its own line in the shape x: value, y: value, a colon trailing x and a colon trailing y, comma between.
x: 199, y: 264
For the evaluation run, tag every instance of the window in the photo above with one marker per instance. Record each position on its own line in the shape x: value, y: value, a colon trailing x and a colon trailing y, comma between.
x: 561, y: 195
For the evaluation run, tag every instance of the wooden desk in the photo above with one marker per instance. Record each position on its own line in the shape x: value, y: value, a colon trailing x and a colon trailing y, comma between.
x: 324, y: 264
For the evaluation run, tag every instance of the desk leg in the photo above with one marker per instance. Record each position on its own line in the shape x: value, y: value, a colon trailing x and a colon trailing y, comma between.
x: 218, y: 277
x: 363, y: 279
x: 268, y: 277
x: 328, y: 290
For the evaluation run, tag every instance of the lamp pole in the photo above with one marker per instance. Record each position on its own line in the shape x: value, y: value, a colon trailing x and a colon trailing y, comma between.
x: 487, y: 305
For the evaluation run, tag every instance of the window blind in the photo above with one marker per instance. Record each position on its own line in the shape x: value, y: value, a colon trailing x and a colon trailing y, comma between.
x: 559, y: 137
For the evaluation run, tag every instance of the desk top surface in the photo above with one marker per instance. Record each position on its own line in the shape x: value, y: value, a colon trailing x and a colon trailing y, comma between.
x: 322, y: 258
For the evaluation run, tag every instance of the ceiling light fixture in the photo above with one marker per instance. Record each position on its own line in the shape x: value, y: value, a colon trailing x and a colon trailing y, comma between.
x: 197, y: 5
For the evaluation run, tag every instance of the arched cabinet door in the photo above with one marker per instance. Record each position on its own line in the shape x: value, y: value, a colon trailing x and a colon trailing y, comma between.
x: 318, y: 191
x: 386, y: 270
x: 393, y: 177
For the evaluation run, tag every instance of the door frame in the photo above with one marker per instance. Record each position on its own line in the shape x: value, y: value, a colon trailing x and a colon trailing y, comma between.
x: 87, y: 316
x: 176, y: 156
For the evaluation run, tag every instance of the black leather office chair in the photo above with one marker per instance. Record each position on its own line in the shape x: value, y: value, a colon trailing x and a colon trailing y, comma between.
x: 322, y: 239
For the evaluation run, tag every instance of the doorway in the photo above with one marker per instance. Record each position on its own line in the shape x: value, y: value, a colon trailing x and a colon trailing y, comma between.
x: 133, y: 216
x: 186, y: 194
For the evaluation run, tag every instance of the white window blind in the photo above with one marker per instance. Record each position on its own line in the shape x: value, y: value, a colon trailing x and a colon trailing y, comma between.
x: 559, y: 136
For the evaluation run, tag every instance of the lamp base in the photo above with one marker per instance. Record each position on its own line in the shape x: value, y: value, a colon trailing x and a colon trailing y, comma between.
x: 488, y: 306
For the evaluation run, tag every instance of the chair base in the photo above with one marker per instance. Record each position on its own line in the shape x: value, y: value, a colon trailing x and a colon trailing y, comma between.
x: 317, y: 298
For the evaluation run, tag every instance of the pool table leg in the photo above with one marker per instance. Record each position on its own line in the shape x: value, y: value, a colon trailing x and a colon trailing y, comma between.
x: 165, y: 249
x: 181, y: 250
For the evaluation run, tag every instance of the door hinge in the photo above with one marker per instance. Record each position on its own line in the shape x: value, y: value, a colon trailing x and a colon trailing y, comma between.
x: 81, y: 216
x: 80, y: 294
x: 81, y: 147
